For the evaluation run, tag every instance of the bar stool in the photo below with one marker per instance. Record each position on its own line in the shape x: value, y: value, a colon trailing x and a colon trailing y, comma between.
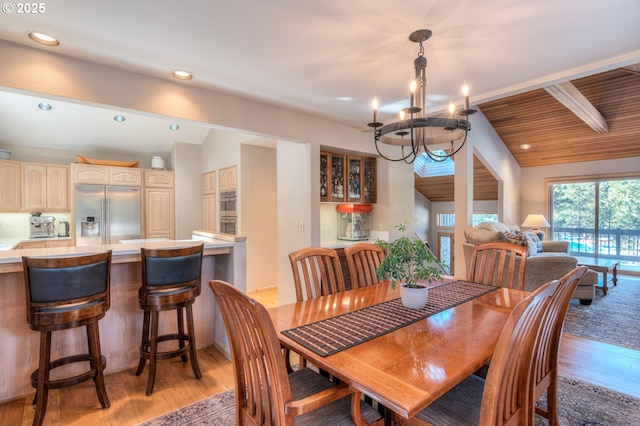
x: 170, y: 281
x: 64, y: 293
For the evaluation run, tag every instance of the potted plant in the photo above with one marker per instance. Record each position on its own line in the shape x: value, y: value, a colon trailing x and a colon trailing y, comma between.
x: 409, y: 262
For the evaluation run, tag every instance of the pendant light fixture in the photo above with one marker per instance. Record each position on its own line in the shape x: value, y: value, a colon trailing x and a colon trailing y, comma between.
x: 414, y: 131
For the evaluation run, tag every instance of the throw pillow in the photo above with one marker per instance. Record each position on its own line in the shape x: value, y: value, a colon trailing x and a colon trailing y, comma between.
x: 532, y: 237
x: 521, y: 239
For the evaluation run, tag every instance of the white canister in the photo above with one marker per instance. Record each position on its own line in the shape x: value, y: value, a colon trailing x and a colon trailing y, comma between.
x: 157, y: 162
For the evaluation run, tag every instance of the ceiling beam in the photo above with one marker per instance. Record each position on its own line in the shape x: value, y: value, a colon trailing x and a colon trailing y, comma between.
x: 569, y: 96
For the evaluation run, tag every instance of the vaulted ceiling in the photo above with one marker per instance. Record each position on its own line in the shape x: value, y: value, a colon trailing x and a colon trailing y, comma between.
x: 555, y: 134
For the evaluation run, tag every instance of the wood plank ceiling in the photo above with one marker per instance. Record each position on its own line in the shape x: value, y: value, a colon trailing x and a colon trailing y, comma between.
x: 556, y: 135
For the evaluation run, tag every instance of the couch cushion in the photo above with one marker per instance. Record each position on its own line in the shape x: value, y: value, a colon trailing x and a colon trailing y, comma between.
x: 533, y: 239
x: 482, y: 235
x: 494, y: 226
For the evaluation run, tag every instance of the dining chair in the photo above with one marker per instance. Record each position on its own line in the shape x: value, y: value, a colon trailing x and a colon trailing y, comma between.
x: 506, y: 396
x: 546, y: 371
x: 500, y: 264
x: 264, y: 393
x: 363, y: 260
x: 316, y: 272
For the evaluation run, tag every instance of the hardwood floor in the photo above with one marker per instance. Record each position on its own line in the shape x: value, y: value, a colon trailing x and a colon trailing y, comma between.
x: 599, y: 363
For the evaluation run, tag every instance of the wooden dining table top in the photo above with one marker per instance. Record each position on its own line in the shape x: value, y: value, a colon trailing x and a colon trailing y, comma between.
x: 410, y: 367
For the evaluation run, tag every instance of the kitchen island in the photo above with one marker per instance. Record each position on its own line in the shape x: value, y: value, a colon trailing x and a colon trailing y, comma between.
x: 121, y: 328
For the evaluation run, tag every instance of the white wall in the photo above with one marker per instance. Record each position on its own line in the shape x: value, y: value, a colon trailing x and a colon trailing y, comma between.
x: 295, y: 207
x: 422, y: 214
x: 188, y: 188
x: 260, y: 214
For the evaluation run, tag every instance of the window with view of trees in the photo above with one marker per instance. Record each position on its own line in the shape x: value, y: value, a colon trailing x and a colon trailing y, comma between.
x: 598, y: 218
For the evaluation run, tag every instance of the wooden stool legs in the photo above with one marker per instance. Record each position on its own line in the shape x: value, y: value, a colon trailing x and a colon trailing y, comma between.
x: 150, y: 339
x: 41, y: 381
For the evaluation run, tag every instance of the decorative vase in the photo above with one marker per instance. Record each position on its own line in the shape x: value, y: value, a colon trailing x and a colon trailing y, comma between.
x: 414, y: 298
x: 157, y: 162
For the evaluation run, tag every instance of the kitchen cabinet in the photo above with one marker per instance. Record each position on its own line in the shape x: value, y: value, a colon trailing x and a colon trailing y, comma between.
x: 159, y: 179
x: 10, y: 186
x: 345, y: 177
x: 159, y: 204
x: 42, y: 244
x: 228, y: 179
x: 331, y: 176
x: 209, y: 205
x: 45, y: 187
x: 369, y: 185
x: 106, y: 175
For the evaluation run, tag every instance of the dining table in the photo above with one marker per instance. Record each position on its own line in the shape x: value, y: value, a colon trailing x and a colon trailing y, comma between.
x: 401, y: 358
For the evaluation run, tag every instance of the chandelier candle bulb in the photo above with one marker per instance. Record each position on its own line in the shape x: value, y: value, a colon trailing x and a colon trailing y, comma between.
x: 452, y: 109
x: 465, y: 93
x: 375, y: 110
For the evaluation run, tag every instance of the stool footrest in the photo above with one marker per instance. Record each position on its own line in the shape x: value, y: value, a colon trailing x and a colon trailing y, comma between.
x: 144, y: 351
x: 69, y: 381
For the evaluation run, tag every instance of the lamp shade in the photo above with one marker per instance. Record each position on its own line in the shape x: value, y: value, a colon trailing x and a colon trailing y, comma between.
x: 536, y: 221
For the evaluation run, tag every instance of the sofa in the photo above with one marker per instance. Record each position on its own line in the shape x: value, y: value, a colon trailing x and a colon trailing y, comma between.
x: 546, y: 260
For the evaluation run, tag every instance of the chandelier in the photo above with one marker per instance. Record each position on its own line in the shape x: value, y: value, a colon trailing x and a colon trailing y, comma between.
x: 414, y: 131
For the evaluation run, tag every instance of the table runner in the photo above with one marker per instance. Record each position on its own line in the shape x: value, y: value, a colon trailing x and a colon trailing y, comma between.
x: 335, y: 334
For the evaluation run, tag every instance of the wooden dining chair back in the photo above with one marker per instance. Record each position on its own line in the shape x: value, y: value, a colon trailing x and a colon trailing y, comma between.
x: 316, y: 272
x: 363, y: 260
x: 170, y: 281
x: 548, y: 343
x: 64, y: 293
x: 506, y: 397
x: 500, y: 263
x: 264, y: 393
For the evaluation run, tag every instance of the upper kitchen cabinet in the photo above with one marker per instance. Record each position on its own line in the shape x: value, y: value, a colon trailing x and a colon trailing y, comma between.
x: 106, y: 175
x: 159, y: 178
x: 209, y: 220
x: 346, y: 177
x: 332, y: 176
x: 45, y: 187
x: 159, y: 204
x: 369, y: 185
x: 228, y: 179
x: 10, y: 186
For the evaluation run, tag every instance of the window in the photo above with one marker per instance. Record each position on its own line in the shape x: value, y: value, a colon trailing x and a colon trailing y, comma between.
x: 445, y: 220
x: 484, y: 217
x: 599, y: 218
x: 448, y: 219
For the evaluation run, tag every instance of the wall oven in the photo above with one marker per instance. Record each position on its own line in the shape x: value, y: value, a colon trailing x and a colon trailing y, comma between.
x: 228, y: 213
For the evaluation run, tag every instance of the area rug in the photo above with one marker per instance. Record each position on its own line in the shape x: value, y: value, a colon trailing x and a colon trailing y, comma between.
x: 583, y: 404
x: 217, y: 410
x: 612, y: 318
x: 580, y: 404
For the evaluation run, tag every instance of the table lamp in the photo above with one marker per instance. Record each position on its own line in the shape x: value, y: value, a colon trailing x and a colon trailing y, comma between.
x: 535, y: 222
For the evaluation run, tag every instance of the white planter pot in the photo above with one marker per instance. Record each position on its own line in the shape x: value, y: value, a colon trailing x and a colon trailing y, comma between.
x: 414, y: 298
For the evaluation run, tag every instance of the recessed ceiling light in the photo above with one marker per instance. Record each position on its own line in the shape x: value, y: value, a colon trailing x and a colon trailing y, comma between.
x: 44, y: 106
x: 119, y: 118
x: 174, y: 127
x: 525, y: 146
x: 182, y: 75
x: 43, y: 38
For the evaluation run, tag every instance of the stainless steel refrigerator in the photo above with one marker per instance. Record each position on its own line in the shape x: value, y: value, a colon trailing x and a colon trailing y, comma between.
x: 106, y: 214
